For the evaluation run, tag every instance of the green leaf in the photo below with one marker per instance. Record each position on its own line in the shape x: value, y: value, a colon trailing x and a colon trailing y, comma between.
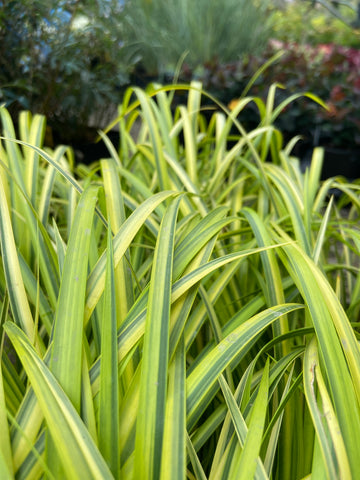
x: 247, y: 462
x: 274, y: 292
x: 79, y: 455
x: 338, y: 347
x: 196, y: 464
x: 173, y: 464
x: 18, y: 299
x: 327, y: 428
x: 244, y: 434
x: 109, y: 389
x: 116, y: 214
x: 154, y: 374
x: 148, y: 106
x: 6, y: 460
x: 66, y: 352
x: 121, y: 242
x: 201, y: 380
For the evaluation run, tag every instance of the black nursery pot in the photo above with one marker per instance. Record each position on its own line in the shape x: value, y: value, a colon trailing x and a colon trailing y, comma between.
x: 340, y: 161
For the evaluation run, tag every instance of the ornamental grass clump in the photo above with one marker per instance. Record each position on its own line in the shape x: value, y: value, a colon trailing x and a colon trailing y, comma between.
x: 184, y: 308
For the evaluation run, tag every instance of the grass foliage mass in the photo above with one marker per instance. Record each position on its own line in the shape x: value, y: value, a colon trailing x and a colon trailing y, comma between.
x: 161, y: 33
x: 185, y: 308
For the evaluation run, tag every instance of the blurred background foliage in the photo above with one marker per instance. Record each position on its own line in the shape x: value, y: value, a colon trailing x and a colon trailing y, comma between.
x: 62, y: 58
x: 72, y: 61
x: 312, y: 23
x: 162, y: 31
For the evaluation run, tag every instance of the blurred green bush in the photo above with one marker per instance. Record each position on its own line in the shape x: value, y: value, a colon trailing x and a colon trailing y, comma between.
x: 63, y: 59
x: 309, y: 22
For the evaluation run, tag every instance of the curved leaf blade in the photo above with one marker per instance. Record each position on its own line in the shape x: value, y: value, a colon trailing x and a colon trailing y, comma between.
x: 79, y: 454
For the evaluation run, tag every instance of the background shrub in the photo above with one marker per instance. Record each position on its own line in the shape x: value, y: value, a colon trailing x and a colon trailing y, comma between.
x: 328, y: 71
x: 161, y: 31
x: 309, y: 22
x: 62, y: 59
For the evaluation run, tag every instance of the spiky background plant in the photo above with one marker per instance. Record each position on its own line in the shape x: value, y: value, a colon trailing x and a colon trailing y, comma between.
x: 182, y: 309
x: 162, y: 33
